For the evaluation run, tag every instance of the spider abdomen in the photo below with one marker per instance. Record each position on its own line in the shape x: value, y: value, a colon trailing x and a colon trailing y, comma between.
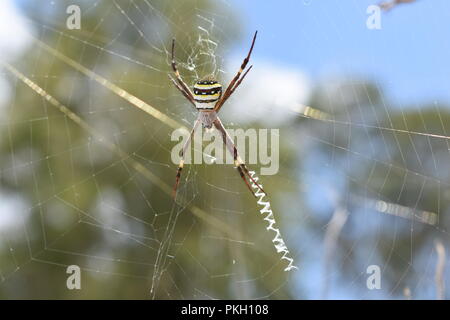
x: 206, y: 94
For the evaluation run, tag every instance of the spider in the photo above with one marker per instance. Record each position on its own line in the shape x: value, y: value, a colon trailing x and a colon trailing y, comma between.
x: 208, y: 99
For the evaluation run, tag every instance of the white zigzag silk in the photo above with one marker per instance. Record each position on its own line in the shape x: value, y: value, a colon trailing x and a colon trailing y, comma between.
x: 278, y: 241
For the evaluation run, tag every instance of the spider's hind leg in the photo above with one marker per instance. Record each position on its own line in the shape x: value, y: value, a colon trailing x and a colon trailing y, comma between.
x: 177, y: 178
x: 243, y: 170
x: 239, y: 164
x: 246, y: 171
x: 241, y: 173
x: 183, y: 152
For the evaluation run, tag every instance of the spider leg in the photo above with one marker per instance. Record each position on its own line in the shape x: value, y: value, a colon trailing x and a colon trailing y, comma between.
x: 232, y: 86
x: 240, y: 80
x: 238, y: 162
x: 183, y: 151
x: 181, y: 83
x: 246, y: 171
x: 182, y: 90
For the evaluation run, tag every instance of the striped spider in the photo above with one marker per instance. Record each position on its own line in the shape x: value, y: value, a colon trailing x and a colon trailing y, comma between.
x: 208, y: 99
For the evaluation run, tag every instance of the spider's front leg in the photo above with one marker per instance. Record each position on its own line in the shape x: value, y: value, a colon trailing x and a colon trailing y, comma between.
x: 238, y: 162
x: 236, y: 81
x: 179, y: 83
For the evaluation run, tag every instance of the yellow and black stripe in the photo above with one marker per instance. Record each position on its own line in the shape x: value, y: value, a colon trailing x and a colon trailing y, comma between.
x: 206, y: 92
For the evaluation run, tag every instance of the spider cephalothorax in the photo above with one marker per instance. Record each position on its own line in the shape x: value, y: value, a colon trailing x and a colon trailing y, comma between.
x: 207, y: 92
x: 208, y: 99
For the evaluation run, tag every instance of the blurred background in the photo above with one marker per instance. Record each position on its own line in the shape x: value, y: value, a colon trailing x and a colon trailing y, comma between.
x: 86, y: 176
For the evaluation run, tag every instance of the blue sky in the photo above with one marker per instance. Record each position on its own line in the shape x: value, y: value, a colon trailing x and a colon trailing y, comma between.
x: 409, y: 56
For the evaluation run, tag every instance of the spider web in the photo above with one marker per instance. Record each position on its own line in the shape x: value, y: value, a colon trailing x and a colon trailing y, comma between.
x: 87, y: 177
